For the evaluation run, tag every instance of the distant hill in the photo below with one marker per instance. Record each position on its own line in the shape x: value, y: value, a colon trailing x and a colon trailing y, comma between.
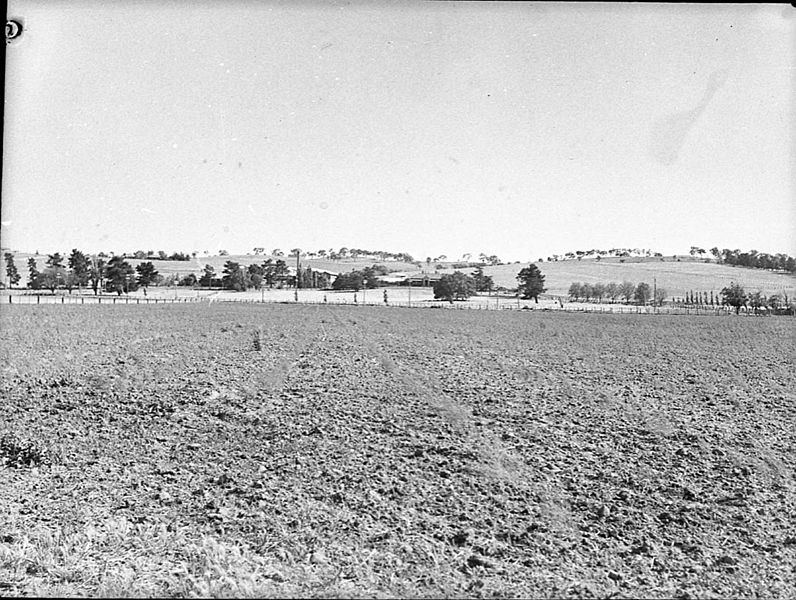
x: 197, y: 265
x: 166, y: 267
x: 677, y: 278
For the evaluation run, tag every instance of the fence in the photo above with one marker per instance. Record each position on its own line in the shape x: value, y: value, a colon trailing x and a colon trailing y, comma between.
x: 511, y: 305
x: 507, y: 304
x: 61, y: 299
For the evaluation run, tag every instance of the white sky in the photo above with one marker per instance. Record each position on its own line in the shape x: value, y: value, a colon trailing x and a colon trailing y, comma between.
x: 514, y: 129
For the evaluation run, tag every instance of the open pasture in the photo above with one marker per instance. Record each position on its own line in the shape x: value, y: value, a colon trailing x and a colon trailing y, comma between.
x: 677, y: 278
x: 288, y: 450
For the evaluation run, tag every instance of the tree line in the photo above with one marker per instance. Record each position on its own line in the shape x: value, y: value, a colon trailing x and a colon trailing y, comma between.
x: 458, y: 286
x: 735, y: 296
x: 343, y: 252
x: 115, y: 274
x: 619, y: 252
x: 81, y: 270
x: 160, y: 255
x: 626, y: 291
x: 752, y: 259
x: 257, y: 276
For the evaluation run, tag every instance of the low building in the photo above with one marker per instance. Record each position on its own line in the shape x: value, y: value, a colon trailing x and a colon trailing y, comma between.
x: 422, y: 279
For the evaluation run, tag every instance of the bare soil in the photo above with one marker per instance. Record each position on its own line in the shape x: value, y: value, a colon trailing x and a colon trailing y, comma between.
x: 196, y: 450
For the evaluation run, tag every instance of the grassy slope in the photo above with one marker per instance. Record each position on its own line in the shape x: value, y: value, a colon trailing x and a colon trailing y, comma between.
x: 677, y: 278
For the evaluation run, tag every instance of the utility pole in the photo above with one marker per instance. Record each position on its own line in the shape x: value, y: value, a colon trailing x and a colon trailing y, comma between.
x: 298, y: 272
x: 654, y: 295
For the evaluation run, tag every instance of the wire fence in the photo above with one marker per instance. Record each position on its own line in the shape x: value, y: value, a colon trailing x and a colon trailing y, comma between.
x: 72, y: 300
x: 500, y: 305
x: 511, y: 305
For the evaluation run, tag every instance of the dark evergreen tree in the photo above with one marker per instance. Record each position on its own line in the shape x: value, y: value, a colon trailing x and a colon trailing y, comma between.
x: 642, y: 293
x: 118, y: 275
x: 96, y: 273
x: 11, y: 270
x: 55, y: 260
x: 483, y: 283
x: 209, y: 273
x: 147, y: 274
x: 33, y: 274
x: 233, y: 277
x: 80, y: 265
x: 531, y: 282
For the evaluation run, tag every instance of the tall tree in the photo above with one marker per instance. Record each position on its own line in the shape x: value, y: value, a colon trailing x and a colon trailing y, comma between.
x: 483, y: 283
x: 735, y: 296
x: 454, y: 286
x: 232, y: 278
x: 531, y: 283
x: 612, y: 291
x: 370, y: 277
x: 269, y: 272
x: 96, y: 272
x: 118, y: 274
x: 55, y: 260
x: 146, y: 274
x: 54, y: 273
x: 209, y: 273
x: 254, y: 276
x: 598, y: 289
x: 51, y: 278
x: 757, y: 300
x: 33, y: 274
x: 79, y: 264
x: 626, y: 290
x: 349, y: 281
x: 11, y: 269
x: 281, y: 271
x: 642, y: 293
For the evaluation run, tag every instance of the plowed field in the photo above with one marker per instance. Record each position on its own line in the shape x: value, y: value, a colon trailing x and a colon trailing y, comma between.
x: 287, y: 450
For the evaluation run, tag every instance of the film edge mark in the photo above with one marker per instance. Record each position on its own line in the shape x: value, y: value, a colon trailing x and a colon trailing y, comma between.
x: 13, y: 29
